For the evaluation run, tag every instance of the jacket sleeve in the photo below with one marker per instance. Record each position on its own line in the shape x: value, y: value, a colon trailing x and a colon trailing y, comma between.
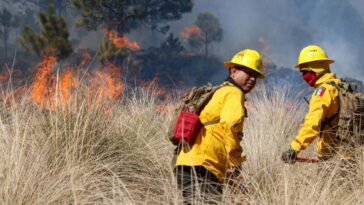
x: 232, y: 114
x: 318, y: 110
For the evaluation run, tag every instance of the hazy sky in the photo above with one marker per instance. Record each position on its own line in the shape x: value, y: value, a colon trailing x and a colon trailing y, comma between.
x: 288, y: 26
x: 359, y: 6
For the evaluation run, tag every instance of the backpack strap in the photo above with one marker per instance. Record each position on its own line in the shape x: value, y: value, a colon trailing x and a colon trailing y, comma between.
x: 215, y: 121
x: 340, y: 89
x: 328, y: 120
x: 211, y: 122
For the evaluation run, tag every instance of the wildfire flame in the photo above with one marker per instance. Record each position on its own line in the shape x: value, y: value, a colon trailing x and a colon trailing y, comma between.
x: 161, y: 93
x: 40, y: 89
x: 121, y: 41
x: 67, y: 83
x: 191, y: 30
x: 108, y: 82
x: 86, y: 57
x: 53, y: 92
x: 4, y: 76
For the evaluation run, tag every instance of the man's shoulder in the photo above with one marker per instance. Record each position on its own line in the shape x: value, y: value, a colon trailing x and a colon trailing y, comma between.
x: 227, y: 88
x: 331, y: 84
x: 328, y: 87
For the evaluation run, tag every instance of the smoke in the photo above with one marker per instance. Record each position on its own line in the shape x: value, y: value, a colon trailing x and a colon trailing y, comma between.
x: 288, y: 26
x: 285, y: 25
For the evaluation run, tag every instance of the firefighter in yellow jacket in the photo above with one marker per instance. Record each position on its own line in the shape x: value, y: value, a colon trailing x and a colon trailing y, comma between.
x: 322, y: 118
x: 217, y: 148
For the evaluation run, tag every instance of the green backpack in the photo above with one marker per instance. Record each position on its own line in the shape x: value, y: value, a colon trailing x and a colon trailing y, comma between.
x: 351, y: 114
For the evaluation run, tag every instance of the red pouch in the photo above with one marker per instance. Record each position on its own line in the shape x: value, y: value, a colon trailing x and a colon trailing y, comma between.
x: 187, y: 126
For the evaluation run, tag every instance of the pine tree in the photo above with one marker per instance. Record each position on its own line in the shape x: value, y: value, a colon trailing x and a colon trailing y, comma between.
x: 109, y: 53
x: 210, y: 28
x: 123, y: 16
x: 172, y: 45
x: 53, y: 38
x: 60, y: 5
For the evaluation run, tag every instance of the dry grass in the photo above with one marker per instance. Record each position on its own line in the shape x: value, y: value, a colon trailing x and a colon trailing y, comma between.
x: 118, y: 153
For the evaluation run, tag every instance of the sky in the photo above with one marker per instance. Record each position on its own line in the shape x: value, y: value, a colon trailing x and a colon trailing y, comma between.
x: 287, y: 26
x: 359, y: 6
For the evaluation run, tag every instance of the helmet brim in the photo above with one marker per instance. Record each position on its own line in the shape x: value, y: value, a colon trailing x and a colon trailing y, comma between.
x: 229, y: 64
x: 329, y: 61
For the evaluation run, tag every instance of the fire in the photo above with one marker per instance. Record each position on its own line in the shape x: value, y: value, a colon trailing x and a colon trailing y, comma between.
x: 191, y: 30
x: 5, y: 76
x: 50, y: 91
x: 67, y: 82
x: 108, y: 82
x: 86, y: 57
x: 40, y: 89
x: 122, y: 41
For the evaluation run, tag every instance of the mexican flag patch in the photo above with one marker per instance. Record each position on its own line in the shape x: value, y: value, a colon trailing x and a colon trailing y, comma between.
x: 319, y: 91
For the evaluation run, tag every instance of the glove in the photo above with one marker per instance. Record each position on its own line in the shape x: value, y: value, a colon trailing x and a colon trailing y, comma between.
x: 289, y: 156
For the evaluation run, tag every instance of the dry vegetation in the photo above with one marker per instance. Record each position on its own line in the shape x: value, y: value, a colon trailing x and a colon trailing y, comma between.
x: 118, y: 153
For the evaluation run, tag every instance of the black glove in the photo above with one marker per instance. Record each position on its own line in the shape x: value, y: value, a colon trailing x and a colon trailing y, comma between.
x: 289, y: 156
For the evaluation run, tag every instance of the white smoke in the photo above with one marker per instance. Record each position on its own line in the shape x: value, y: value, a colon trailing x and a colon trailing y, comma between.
x: 288, y: 26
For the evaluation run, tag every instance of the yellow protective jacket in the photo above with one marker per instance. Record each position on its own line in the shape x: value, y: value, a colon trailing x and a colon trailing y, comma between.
x: 217, y: 146
x: 324, y: 103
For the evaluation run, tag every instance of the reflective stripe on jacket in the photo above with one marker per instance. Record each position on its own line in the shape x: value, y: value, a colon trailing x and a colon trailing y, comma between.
x: 217, y: 146
x: 324, y: 104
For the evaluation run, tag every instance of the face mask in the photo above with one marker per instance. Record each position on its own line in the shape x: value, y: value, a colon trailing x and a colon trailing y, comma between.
x: 309, y: 77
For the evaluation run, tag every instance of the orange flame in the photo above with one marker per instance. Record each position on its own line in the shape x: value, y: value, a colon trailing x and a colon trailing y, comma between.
x: 108, y: 82
x: 160, y: 92
x: 67, y: 83
x: 86, y: 57
x: 122, y: 41
x: 191, y: 30
x: 4, y: 76
x: 51, y: 92
x: 40, y: 86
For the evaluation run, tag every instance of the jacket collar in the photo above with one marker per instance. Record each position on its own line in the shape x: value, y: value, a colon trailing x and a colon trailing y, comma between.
x: 326, y: 77
x: 232, y: 81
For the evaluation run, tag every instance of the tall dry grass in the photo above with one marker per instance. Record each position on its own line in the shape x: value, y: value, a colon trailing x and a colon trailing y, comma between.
x: 117, y: 152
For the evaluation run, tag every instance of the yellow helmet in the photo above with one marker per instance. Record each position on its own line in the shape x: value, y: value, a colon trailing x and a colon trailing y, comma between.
x: 312, y: 53
x: 248, y: 58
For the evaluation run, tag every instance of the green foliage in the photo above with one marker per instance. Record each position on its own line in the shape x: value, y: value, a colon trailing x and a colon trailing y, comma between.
x: 195, y: 41
x: 53, y: 38
x: 109, y: 53
x: 210, y: 26
x: 174, y: 68
x: 211, y: 31
x: 172, y: 45
x: 124, y: 15
x: 8, y: 21
x: 162, y: 62
x: 60, y: 5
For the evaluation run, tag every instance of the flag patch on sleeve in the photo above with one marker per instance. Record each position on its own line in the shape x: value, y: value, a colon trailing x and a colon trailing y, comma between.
x: 319, y: 91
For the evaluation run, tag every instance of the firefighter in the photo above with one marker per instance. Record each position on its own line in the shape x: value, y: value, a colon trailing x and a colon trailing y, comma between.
x: 217, y: 151
x: 322, y: 117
